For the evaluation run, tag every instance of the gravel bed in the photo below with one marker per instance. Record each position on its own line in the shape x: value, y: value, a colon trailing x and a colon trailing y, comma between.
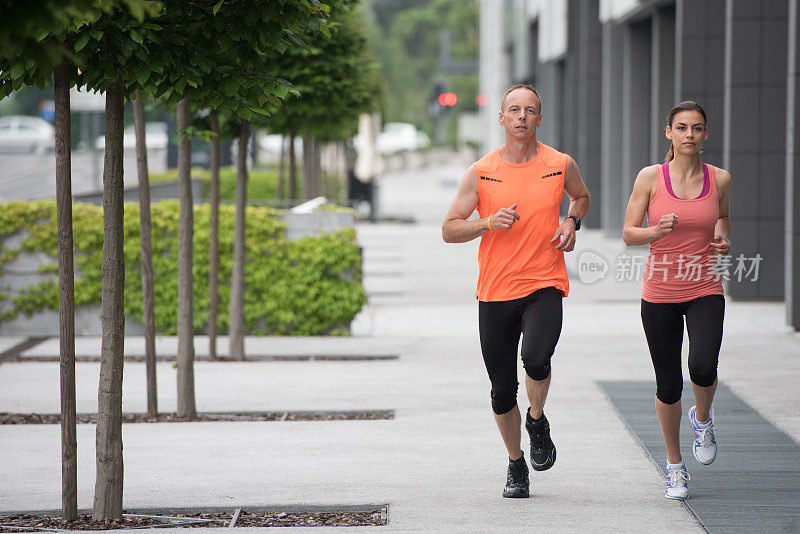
x: 29, y: 522
x: 250, y: 358
x: 7, y: 418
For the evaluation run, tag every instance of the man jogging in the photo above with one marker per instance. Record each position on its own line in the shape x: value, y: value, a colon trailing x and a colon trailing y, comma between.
x: 517, y: 190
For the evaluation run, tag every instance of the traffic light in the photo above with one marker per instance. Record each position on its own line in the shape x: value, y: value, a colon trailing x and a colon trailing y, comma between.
x: 448, y: 99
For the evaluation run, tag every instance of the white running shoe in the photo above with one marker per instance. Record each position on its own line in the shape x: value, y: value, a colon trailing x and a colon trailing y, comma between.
x: 677, y: 483
x: 704, y: 446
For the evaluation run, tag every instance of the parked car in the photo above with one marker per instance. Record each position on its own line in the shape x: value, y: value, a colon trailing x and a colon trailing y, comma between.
x: 23, y: 133
x: 399, y: 136
x: 270, y: 146
x: 155, y: 133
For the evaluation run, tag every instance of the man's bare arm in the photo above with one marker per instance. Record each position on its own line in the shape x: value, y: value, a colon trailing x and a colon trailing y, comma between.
x: 578, y: 193
x: 457, y: 229
x: 579, y: 200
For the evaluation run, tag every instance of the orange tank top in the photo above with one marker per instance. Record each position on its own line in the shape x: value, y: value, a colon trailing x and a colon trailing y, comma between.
x: 680, y: 265
x: 516, y: 262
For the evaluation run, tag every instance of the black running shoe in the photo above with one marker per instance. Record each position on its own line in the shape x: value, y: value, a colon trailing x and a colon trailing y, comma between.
x: 543, y: 452
x: 517, y: 485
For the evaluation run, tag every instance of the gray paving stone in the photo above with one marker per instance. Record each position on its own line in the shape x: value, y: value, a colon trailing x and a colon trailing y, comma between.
x: 754, y: 483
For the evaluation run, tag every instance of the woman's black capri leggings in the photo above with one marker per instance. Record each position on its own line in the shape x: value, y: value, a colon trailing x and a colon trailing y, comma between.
x: 537, y: 318
x: 663, y: 327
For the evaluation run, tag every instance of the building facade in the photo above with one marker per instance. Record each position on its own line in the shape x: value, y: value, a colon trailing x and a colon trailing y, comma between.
x: 609, y: 71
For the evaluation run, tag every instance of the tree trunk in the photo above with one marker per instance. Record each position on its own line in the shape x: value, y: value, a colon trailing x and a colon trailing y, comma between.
x: 108, y: 485
x: 317, y: 180
x: 66, y: 295
x: 308, y: 167
x: 147, y: 256
x: 292, y: 168
x: 281, y: 165
x: 186, y: 404
x: 236, y: 309
x: 213, y: 243
x: 253, y: 150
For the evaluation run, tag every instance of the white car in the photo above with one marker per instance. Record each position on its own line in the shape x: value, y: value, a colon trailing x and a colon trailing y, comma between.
x: 155, y: 133
x: 23, y: 133
x: 399, y: 136
x: 270, y: 145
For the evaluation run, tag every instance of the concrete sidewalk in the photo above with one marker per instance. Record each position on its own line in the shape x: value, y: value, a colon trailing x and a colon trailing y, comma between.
x: 440, y: 464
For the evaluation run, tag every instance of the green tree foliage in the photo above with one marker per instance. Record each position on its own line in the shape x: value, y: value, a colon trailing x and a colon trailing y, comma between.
x: 335, y: 79
x: 24, y: 24
x: 93, y: 35
x: 406, y: 38
x: 220, y: 50
x: 216, y: 50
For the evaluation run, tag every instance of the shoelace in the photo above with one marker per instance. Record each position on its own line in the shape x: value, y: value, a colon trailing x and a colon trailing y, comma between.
x: 516, y: 475
x: 704, y: 436
x: 538, y: 437
x: 676, y: 477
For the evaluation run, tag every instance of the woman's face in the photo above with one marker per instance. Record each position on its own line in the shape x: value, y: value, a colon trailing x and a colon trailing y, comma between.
x: 688, y: 132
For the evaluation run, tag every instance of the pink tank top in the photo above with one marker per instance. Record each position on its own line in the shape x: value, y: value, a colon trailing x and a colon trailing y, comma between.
x: 680, y: 265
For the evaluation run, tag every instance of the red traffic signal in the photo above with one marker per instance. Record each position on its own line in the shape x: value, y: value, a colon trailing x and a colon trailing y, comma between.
x: 448, y: 99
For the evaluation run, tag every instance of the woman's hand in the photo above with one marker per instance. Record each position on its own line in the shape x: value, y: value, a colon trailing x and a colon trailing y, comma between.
x: 721, y: 245
x: 665, y: 226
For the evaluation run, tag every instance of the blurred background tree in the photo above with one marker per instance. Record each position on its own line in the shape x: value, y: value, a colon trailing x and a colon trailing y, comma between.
x: 406, y: 36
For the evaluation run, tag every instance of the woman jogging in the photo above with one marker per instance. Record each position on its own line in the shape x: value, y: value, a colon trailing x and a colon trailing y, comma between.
x: 686, y: 203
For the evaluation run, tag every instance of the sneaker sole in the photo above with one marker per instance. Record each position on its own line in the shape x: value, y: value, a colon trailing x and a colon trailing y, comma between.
x: 547, y: 465
x: 517, y: 494
x: 676, y: 498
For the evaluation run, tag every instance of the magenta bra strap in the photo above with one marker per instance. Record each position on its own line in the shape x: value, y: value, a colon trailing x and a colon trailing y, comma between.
x: 706, y: 182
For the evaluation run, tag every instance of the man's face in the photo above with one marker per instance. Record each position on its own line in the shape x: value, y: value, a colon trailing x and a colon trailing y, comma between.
x: 521, y: 116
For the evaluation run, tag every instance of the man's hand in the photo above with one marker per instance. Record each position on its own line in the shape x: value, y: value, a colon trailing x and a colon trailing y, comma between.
x: 504, y: 218
x: 565, y: 235
x: 720, y: 245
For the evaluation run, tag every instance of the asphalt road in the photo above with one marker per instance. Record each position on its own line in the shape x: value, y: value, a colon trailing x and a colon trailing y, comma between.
x: 32, y: 176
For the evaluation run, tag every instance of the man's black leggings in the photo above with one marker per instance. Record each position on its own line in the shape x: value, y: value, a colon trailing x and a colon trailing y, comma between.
x: 663, y: 327
x: 537, y: 318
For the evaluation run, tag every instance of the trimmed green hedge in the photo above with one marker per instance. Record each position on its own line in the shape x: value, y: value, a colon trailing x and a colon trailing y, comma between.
x: 306, y: 287
x: 262, y: 183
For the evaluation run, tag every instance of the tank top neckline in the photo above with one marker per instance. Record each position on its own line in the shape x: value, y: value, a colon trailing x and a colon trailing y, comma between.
x: 703, y: 192
x: 524, y: 164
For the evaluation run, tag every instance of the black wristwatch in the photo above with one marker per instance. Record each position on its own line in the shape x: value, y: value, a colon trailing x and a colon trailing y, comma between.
x: 576, y: 220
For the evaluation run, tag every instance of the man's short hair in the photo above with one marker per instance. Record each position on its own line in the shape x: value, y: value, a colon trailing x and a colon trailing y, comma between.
x: 520, y: 86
